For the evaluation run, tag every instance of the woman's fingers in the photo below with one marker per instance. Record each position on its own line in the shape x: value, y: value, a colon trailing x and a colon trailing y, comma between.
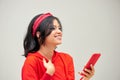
x: 88, y: 73
x: 44, y: 63
x: 49, y: 66
x: 92, y: 68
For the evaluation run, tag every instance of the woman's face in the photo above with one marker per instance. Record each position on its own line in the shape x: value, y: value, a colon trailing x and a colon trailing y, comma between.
x: 55, y: 36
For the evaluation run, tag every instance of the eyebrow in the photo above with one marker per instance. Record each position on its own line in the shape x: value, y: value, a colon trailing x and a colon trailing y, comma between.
x: 56, y: 26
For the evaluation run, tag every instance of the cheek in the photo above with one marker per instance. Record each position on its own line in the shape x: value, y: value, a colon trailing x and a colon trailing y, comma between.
x: 49, y: 38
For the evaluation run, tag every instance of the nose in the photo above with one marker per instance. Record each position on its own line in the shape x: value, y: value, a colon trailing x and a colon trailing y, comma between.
x: 58, y: 30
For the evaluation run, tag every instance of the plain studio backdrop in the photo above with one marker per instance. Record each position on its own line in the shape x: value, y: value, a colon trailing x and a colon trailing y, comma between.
x: 88, y: 26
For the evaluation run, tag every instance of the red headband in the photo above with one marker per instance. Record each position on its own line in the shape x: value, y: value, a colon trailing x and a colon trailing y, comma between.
x: 39, y: 20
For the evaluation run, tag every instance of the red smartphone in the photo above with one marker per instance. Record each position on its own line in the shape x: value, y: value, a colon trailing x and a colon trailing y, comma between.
x: 93, y: 59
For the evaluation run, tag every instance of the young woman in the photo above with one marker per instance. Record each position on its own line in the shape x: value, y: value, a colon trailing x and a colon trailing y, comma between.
x: 42, y: 61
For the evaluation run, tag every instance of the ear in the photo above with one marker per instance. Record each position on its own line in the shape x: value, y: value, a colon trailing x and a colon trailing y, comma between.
x: 38, y: 34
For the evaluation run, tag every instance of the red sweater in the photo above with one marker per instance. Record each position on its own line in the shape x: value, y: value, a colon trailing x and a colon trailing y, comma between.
x: 33, y: 68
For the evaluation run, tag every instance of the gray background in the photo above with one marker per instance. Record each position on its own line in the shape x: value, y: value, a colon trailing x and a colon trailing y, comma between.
x: 89, y: 26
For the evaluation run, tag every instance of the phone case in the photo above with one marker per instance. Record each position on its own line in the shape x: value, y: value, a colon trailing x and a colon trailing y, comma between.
x: 93, y: 59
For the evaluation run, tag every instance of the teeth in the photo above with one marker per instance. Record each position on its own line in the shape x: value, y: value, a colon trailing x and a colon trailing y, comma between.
x: 58, y: 36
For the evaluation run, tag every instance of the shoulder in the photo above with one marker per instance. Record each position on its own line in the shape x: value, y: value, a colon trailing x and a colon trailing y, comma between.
x: 30, y: 65
x: 31, y: 59
x: 67, y: 58
x: 65, y: 55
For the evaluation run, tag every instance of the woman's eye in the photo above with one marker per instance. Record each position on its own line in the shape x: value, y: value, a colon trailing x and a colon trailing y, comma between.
x: 52, y: 28
x: 60, y: 28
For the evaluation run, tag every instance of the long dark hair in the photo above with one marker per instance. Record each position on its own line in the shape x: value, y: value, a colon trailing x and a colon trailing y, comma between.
x: 31, y: 43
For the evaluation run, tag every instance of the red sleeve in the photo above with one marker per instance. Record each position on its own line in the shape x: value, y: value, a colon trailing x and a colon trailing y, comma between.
x: 71, y: 73
x: 29, y: 70
x: 69, y: 66
x: 46, y: 76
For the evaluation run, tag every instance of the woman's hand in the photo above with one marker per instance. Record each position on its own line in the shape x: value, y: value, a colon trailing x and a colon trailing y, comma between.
x: 49, y: 66
x: 87, y: 74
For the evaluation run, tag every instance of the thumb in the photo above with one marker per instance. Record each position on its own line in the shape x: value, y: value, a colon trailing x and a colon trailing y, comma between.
x: 44, y: 61
x: 49, y: 61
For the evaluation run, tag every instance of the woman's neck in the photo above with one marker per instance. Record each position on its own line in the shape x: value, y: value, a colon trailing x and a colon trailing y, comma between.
x: 47, y: 51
